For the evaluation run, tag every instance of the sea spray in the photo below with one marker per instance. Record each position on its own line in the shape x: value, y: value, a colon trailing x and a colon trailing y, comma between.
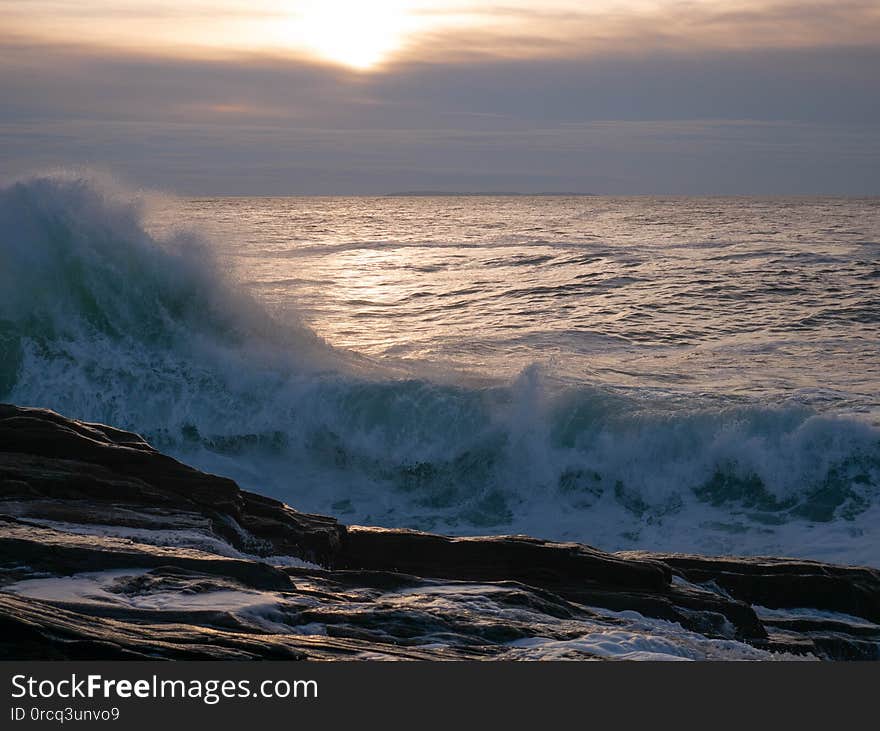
x: 103, y: 319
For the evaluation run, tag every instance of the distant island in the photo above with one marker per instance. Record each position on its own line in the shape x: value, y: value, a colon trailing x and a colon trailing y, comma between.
x: 486, y: 194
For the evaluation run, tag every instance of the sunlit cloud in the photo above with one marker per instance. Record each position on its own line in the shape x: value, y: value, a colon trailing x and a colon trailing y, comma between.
x: 351, y: 33
x: 356, y: 34
x: 369, y: 35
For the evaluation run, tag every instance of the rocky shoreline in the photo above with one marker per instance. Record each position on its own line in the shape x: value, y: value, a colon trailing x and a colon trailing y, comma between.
x: 112, y: 550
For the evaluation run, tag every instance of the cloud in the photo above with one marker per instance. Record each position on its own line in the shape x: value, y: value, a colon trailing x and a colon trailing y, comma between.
x: 541, y: 31
x: 615, y: 157
x: 811, y: 85
x: 448, y: 31
x: 799, y: 119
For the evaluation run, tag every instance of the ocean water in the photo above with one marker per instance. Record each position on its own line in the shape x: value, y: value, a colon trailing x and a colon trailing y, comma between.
x: 694, y: 374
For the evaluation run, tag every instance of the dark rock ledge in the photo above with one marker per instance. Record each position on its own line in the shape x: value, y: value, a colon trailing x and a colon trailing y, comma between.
x: 110, y: 549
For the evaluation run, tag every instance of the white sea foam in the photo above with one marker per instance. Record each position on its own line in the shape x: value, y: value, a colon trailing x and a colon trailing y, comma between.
x: 102, y: 318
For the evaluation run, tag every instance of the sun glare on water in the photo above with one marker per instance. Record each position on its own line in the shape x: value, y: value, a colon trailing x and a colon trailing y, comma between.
x: 360, y: 34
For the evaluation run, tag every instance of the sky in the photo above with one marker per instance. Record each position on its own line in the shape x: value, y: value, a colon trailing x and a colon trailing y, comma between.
x: 285, y: 97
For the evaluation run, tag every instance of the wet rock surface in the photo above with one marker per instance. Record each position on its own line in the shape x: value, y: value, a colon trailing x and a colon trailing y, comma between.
x: 110, y: 549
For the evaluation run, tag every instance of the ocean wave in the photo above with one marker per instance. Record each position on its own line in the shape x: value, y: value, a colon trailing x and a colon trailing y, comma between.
x: 103, y: 319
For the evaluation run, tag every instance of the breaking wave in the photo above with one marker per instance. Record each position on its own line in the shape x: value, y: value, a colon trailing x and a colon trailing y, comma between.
x: 103, y: 319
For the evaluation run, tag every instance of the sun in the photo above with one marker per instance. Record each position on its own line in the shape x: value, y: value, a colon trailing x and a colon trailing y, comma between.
x: 360, y: 34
